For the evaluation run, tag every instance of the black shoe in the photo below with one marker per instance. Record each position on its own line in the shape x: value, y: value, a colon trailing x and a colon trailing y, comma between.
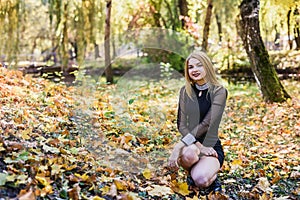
x: 216, y: 186
x: 190, y: 181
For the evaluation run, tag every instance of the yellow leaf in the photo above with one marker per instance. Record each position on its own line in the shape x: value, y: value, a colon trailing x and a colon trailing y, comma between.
x: 120, y: 184
x: 47, y: 190
x: 105, y: 189
x: 264, y: 196
x: 181, y: 188
x: 25, y: 134
x: 97, y: 198
x: 2, y: 148
x: 127, y: 137
x: 83, y: 177
x: 237, y: 162
x: 45, y: 181
x: 149, y: 147
x: 147, y: 173
x: 276, y: 177
x: 184, y: 189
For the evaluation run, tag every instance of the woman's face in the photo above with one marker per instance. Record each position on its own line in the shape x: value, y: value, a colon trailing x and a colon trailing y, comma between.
x: 196, y: 70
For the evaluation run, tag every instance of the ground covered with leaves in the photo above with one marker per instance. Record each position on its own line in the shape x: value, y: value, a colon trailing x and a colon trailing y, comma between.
x: 97, y: 141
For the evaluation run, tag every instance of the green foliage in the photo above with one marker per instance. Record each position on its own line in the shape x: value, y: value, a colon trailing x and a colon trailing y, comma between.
x: 157, y: 56
x: 165, y: 70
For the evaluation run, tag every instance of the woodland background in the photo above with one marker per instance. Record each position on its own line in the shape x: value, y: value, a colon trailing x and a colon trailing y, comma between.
x: 89, y: 93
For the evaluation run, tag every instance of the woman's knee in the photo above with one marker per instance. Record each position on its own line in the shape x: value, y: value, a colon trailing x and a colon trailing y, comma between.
x: 189, y: 156
x: 201, y: 180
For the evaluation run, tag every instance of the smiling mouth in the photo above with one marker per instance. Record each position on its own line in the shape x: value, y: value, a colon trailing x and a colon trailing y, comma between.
x: 196, y: 74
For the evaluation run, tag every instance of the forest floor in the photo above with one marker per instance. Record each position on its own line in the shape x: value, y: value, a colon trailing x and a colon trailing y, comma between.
x: 98, y: 141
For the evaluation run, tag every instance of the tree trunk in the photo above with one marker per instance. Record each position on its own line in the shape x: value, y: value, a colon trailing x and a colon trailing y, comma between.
x: 183, y: 10
x: 265, y: 74
x: 297, y: 36
x: 65, y: 55
x: 80, y: 37
x: 219, y: 24
x: 206, y: 25
x: 13, y: 14
x: 288, y: 27
x: 93, y: 26
x: 108, y: 69
x: 155, y: 9
x: 176, y: 21
x: 173, y: 14
x: 296, y: 29
x: 277, y: 39
x: 96, y: 50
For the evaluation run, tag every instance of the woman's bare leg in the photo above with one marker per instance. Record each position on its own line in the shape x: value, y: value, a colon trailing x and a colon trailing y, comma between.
x: 205, y: 171
x: 189, y: 156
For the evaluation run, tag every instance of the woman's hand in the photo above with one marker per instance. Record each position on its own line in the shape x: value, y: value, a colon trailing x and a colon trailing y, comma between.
x: 172, y: 163
x: 208, y: 151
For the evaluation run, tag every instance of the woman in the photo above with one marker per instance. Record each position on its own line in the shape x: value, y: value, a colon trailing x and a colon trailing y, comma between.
x: 201, y: 105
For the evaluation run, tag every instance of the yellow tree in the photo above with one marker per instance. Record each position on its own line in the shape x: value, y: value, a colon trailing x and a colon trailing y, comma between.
x: 10, y: 22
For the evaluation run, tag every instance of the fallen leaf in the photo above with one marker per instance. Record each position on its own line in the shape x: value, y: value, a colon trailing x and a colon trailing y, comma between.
x: 97, y: 198
x: 27, y: 196
x: 120, y: 184
x: 45, y: 181
x: 74, y: 192
x: 264, y: 184
x: 194, y: 198
x: 295, y: 174
x: 113, y: 190
x: 181, y: 188
x: 276, y: 177
x: 147, y: 173
x: 3, y: 178
x: 160, y: 190
x: 217, y: 196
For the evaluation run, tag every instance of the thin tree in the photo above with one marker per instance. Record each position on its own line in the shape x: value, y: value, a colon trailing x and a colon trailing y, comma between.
x: 64, y: 45
x: 290, y: 41
x: 183, y: 10
x: 108, y: 69
x: 264, y: 72
x: 207, y: 24
x: 297, y: 29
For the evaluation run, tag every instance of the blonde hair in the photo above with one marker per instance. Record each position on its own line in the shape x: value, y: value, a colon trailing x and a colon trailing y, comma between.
x: 210, y: 77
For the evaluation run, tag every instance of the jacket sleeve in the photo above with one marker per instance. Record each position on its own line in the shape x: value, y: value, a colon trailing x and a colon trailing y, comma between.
x: 181, y: 115
x: 218, y: 97
x: 202, y: 128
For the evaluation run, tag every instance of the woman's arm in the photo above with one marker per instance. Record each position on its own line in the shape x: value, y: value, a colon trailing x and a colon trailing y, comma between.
x: 218, y: 97
x: 175, y: 155
x: 202, y: 128
x: 181, y: 115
